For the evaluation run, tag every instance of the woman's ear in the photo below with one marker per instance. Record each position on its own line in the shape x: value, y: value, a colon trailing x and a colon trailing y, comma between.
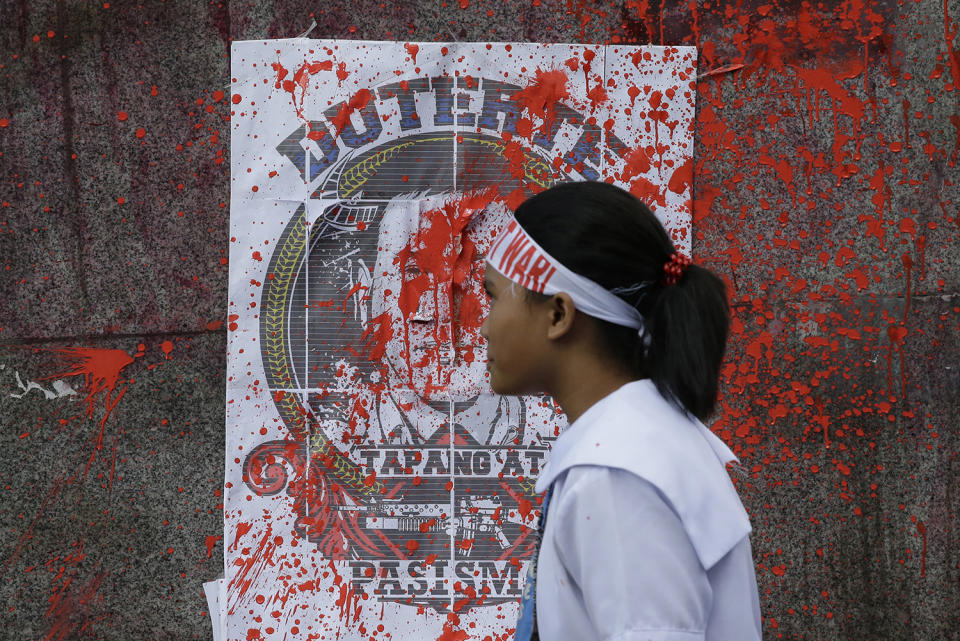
x: 562, y: 311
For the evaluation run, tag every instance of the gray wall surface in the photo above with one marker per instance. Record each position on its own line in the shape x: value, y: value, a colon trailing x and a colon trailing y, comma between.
x: 826, y: 194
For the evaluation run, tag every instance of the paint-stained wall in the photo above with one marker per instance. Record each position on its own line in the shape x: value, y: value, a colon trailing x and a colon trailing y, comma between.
x: 827, y: 142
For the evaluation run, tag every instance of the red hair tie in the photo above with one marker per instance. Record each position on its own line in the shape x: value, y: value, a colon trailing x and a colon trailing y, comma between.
x: 673, y: 269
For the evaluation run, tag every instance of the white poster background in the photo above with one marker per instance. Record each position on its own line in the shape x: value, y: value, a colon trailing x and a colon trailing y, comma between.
x: 313, y: 175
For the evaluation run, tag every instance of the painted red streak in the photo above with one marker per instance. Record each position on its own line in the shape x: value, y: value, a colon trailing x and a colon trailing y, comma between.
x: 922, y: 253
x: 540, y: 97
x: 922, y: 529
x: 28, y: 533
x: 377, y: 336
x: 68, y: 616
x: 950, y: 29
x: 242, y: 528
x: 647, y: 191
x: 642, y: 8
x: 251, y: 566
x: 638, y: 163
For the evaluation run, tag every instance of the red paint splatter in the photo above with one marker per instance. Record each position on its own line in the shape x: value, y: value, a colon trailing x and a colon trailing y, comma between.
x: 211, y: 542
x: 413, y: 50
x: 540, y: 97
x: 299, y: 81
x: 251, y: 566
x: 101, y: 369
x: 166, y: 347
x: 451, y: 631
x: 359, y: 100
x: 597, y: 96
x: 682, y: 177
x: 342, y: 72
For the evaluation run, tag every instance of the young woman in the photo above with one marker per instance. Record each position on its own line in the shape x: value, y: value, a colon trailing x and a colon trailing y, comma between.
x: 643, y: 535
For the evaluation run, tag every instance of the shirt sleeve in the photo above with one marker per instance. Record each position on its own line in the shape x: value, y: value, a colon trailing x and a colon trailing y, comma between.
x: 628, y: 554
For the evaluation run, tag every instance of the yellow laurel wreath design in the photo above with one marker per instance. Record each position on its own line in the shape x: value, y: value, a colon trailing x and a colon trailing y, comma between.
x: 289, y: 256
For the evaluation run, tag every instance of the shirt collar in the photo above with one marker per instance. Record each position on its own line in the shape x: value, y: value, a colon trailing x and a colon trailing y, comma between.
x: 566, y: 445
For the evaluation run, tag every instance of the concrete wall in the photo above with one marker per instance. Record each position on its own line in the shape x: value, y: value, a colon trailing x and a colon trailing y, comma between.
x: 826, y: 194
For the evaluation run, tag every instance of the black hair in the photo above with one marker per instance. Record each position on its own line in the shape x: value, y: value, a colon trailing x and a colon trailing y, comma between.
x: 609, y: 236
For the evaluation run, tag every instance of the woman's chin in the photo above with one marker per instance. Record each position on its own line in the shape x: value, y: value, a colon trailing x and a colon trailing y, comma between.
x: 492, y: 380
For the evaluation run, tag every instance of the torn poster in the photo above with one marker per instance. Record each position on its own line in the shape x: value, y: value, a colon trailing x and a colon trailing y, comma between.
x: 375, y: 486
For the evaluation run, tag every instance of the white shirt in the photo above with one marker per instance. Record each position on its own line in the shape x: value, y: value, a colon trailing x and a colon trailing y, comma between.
x: 646, y: 537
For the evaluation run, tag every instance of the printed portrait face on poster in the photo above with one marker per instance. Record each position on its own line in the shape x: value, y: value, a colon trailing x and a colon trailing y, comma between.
x: 373, y: 478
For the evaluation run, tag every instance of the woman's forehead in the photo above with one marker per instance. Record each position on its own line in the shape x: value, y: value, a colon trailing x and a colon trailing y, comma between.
x: 491, y: 276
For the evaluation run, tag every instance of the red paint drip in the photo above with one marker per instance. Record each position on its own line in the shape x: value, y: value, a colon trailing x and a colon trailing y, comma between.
x: 921, y: 243
x: 955, y: 121
x: 948, y: 35
x: 922, y: 529
x: 906, y: 123
x: 908, y: 270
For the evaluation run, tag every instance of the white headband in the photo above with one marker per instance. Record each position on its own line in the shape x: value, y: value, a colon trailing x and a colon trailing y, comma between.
x: 521, y: 260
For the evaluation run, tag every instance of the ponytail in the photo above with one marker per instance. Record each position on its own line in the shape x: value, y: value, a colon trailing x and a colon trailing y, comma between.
x: 607, y: 235
x: 687, y: 324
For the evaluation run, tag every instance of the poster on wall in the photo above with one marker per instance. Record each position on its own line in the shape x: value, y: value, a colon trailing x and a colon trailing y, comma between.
x: 375, y: 487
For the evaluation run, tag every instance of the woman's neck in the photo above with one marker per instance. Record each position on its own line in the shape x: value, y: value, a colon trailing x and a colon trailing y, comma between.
x: 583, y: 381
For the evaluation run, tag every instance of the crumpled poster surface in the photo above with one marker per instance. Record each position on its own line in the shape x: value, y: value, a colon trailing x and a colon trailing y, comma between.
x: 375, y: 487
